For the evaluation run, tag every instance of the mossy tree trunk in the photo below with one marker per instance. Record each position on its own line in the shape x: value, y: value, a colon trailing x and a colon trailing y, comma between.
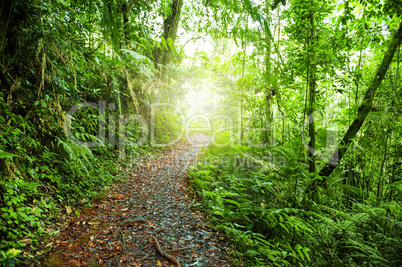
x: 170, y: 26
x: 268, y: 135
x: 311, y: 85
x: 126, y: 22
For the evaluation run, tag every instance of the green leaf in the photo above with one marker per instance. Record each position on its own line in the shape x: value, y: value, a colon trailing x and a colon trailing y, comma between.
x: 8, y: 155
x: 299, y: 250
x: 163, y: 42
x: 12, y: 253
x: 284, y: 227
x: 306, y: 253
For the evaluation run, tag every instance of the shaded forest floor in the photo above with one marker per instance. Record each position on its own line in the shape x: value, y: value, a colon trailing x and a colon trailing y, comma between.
x: 153, y: 206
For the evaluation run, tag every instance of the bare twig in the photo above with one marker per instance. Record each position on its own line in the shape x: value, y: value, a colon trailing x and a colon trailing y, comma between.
x: 147, y: 256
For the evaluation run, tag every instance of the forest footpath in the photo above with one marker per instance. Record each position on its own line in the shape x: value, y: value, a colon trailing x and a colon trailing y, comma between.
x: 147, y: 216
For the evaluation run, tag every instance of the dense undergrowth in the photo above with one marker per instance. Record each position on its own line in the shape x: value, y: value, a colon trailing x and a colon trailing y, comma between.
x: 284, y: 71
x: 258, y: 197
x: 42, y: 179
x: 45, y: 170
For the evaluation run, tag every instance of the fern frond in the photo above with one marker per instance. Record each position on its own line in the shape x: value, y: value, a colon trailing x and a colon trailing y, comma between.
x: 367, y: 251
x: 334, y: 212
x: 7, y: 155
x: 265, y: 166
x: 322, y: 218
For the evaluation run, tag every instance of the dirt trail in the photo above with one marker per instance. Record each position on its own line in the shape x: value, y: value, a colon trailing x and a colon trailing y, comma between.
x: 121, y: 229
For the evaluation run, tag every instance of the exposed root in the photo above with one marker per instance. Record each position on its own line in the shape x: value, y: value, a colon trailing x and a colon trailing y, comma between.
x: 165, y: 254
x: 179, y: 249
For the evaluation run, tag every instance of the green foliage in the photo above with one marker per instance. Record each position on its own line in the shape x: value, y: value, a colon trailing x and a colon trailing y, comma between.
x: 253, y: 180
x: 56, y: 56
x: 262, y: 207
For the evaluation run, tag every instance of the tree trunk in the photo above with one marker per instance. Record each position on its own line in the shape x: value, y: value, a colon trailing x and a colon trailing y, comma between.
x: 241, y: 97
x: 5, y: 17
x: 126, y: 21
x: 311, y: 83
x: 268, y: 66
x: 170, y: 26
x: 364, y: 108
x: 311, y: 123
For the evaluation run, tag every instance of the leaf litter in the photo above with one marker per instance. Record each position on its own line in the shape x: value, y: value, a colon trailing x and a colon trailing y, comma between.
x: 147, y: 221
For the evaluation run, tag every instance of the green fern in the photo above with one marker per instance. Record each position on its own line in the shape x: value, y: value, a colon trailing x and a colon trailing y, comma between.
x: 366, y: 252
x: 7, y: 155
x: 333, y: 211
x: 265, y: 166
x: 80, y: 155
x: 322, y: 217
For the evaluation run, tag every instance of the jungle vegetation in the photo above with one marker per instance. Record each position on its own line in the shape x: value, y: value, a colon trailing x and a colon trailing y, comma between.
x: 302, y: 99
